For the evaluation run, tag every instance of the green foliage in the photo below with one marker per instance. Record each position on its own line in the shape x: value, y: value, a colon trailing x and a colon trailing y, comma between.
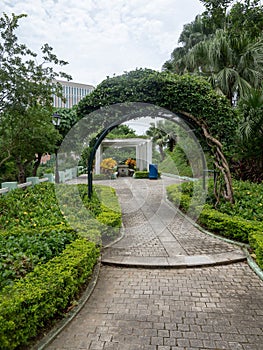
x: 8, y: 171
x: 143, y: 174
x: 110, y: 215
x: 223, y: 45
x: 248, y: 201
x: 68, y: 119
x: 33, y: 229
x: 122, y: 132
x: 26, y: 98
x: 249, y: 155
x: 256, y: 242
x: 35, y: 207
x: 233, y: 227
x: 176, y: 163
x: 31, y: 302
x: 22, y: 249
x: 43, y: 261
x: 175, y: 93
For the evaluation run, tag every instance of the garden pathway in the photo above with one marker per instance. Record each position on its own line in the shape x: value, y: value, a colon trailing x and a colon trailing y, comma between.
x: 180, y: 302
x: 156, y: 234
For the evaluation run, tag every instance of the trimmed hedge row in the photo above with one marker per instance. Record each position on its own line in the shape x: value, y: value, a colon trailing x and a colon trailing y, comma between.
x: 143, y: 174
x: 256, y: 242
x: 232, y: 227
x: 31, y: 302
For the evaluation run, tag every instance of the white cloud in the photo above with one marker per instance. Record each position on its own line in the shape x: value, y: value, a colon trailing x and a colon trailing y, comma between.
x: 100, y: 37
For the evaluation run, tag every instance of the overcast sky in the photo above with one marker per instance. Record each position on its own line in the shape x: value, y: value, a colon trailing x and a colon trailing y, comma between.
x: 100, y: 38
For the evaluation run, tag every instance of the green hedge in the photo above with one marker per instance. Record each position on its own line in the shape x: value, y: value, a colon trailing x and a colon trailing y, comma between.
x: 232, y: 227
x: 256, y: 242
x: 31, y: 302
x: 143, y: 174
x: 21, y: 249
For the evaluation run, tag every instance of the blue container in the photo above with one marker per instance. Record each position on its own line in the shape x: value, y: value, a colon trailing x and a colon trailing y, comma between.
x: 153, y: 171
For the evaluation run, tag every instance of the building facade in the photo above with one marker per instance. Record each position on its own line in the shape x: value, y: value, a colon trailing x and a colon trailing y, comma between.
x: 73, y: 92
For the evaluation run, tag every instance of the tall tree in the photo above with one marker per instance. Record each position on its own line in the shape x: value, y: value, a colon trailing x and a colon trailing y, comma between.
x: 26, y: 97
x: 232, y: 65
x: 231, y: 54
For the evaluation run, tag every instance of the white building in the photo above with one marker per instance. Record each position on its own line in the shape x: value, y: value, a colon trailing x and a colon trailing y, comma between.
x: 73, y: 92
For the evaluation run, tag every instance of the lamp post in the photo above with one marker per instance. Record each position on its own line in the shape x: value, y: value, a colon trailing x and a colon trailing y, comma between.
x: 56, y: 118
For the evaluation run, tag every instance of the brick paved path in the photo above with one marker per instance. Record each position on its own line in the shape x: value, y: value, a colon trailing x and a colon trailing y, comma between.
x: 216, y: 307
x: 167, y: 309
x: 156, y: 234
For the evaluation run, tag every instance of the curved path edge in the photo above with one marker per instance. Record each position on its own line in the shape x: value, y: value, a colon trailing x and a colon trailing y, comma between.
x: 182, y: 261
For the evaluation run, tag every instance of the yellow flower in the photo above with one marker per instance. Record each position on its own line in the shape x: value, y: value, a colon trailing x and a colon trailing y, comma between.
x: 25, y: 212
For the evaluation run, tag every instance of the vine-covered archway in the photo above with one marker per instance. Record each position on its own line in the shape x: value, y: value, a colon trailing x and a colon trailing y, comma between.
x: 188, y: 97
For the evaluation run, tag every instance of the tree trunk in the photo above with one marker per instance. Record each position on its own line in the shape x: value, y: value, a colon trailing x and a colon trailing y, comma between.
x: 220, y: 161
x: 21, y: 172
x: 162, y: 153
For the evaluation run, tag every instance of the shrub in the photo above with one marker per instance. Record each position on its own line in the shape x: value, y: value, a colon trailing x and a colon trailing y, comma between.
x: 143, y: 174
x: 256, y: 242
x: 22, y: 249
x: 110, y: 216
x: 31, y: 302
x: 234, y: 227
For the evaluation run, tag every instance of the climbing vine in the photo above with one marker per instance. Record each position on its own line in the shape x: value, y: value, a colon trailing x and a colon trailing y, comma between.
x: 191, y: 98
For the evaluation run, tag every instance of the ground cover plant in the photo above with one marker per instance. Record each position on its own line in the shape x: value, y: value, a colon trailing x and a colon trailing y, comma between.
x: 241, y: 221
x: 44, y: 257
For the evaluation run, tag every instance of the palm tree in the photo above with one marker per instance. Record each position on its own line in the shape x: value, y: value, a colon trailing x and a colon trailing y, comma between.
x: 233, y: 65
x: 193, y: 33
x: 251, y: 106
x: 159, y: 137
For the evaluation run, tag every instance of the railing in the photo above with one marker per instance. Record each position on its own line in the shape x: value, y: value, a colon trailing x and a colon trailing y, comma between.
x: 64, y: 176
x: 9, y: 186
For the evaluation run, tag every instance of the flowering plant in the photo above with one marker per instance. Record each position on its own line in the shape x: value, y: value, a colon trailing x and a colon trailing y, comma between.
x: 131, y: 163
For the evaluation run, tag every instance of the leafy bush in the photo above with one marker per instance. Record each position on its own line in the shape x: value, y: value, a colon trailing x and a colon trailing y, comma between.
x: 43, y: 260
x: 110, y: 216
x: 31, y: 302
x: 234, y: 227
x: 143, y: 174
x: 256, y: 242
x: 248, y: 201
x: 33, y: 207
x: 22, y: 249
x: 33, y: 229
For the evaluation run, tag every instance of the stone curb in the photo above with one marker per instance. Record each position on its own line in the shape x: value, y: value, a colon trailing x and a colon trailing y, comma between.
x: 116, y: 240
x: 177, y: 262
x: 46, y: 340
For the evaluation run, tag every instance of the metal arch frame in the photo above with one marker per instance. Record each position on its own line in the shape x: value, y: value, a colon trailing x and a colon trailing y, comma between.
x: 101, y: 136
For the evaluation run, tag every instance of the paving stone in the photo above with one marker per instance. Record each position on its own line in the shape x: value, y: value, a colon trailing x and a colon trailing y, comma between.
x: 215, y: 307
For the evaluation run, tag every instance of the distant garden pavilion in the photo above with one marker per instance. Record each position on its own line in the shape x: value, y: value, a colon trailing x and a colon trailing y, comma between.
x: 143, y: 151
